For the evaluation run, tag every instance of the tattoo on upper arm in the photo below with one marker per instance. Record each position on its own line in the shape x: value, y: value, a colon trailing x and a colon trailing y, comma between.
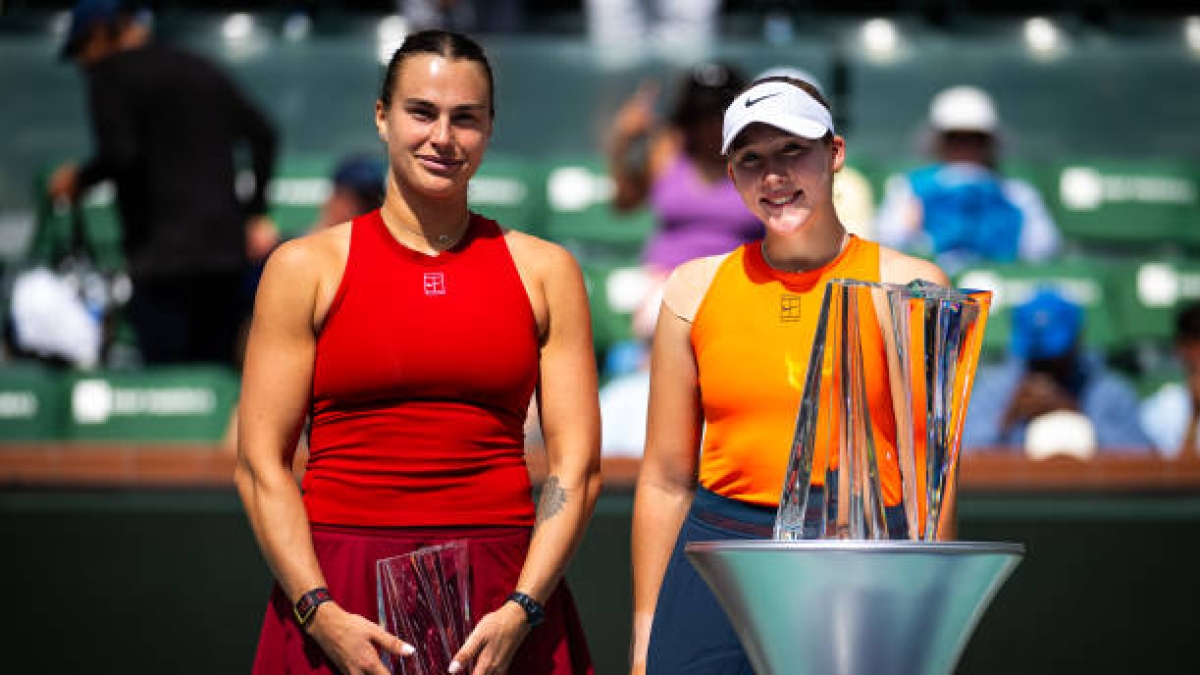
x: 552, y: 500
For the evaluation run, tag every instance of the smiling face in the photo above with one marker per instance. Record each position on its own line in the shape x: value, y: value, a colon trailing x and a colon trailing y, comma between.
x: 786, y: 180
x: 436, y: 125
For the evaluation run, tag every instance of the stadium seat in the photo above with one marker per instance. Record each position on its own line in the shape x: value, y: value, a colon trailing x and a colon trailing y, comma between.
x: 508, y: 189
x: 1153, y: 205
x: 580, y: 216
x: 614, y: 291
x: 1087, y: 282
x: 31, y: 402
x: 1150, y: 291
x: 161, y: 404
x: 297, y: 191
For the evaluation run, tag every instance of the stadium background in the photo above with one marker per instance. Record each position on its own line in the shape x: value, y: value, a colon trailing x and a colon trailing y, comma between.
x: 119, y: 568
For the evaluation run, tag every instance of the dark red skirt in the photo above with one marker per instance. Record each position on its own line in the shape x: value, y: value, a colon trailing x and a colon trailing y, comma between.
x: 347, y: 556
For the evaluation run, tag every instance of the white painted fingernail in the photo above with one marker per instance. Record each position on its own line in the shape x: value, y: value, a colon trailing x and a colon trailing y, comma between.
x: 455, y: 666
x: 407, y: 650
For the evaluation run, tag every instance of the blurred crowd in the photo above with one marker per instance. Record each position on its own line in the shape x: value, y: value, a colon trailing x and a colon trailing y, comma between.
x: 168, y: 123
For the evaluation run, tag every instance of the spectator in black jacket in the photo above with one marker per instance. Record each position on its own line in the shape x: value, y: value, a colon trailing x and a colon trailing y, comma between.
x: 167, y: 126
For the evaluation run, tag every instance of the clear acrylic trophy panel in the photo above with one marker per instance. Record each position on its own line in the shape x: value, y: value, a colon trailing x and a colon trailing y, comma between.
x: 424, y: 599
x: 877, y: 438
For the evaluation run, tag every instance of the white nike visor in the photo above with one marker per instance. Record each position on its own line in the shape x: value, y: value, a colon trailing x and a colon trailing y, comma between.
x: 779, y: 104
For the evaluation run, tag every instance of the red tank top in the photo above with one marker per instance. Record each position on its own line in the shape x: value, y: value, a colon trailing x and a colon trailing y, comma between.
x: 424, y: 372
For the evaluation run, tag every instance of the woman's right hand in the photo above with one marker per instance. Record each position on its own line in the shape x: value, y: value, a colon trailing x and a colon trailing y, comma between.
x: 352, y: 642
x: 636, y: 117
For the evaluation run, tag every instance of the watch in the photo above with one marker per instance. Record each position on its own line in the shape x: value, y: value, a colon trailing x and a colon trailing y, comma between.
x: 535, y: 614
x: 308, y: 603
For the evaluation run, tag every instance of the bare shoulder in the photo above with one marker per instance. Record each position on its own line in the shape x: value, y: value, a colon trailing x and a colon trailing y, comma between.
x: 900, y: 268
x: 687, y: 285
x: 310, y: 265
x: 537, y: 257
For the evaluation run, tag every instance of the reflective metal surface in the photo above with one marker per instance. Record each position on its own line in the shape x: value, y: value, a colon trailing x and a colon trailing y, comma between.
x: 830, y: 607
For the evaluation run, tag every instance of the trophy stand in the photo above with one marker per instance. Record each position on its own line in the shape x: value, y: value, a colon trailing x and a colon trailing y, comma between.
x: 829, y: 607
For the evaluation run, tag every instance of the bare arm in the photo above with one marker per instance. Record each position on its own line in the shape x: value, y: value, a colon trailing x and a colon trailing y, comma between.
x: 275, y: 388
x: 667, y: 481
x: 570, y: 418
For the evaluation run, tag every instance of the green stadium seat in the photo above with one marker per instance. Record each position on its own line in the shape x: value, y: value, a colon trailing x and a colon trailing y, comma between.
x: 1151, y: 292
x: 614, y: 292
x: 580, y: 215
x: 1087, y: 282
x: 1152, y: 204
x: 509, y: 190
x: 161, y: 404
x: 300, y: 186
x: 31, y: 402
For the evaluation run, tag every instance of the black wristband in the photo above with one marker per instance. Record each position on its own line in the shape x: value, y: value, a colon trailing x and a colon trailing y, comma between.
x: 535, y: 614
x: 308, y: 603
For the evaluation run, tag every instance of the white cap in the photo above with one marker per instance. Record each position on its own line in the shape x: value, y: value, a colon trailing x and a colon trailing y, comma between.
x: 1061, y: 432
x: 963, y: 108
x: 779, y: 104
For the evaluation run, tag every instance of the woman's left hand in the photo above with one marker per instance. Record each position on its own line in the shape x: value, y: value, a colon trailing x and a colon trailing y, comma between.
x: 494, y: 641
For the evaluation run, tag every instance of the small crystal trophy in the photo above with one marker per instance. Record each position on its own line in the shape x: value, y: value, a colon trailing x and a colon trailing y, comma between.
x: 424, y: 599
x: 880, y: 420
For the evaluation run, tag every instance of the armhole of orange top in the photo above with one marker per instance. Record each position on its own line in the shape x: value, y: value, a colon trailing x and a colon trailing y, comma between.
x: 687, y: 285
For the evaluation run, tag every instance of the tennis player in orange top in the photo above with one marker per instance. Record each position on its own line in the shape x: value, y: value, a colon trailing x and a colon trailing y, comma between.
x: 728, y: 365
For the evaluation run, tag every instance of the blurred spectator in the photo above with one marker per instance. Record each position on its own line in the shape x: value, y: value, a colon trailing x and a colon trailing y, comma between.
x: 623, y: 404
x: 961, y: 209
x: 1049, y: 396
x: 678, y: 170
x: 358, y: 182
x: 680, y: 28
x: 483, y: 16
x: 1171, y: 414
x: 166, y: 126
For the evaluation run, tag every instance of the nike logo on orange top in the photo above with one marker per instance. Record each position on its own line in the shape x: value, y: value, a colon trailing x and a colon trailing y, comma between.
x: 754, y: 101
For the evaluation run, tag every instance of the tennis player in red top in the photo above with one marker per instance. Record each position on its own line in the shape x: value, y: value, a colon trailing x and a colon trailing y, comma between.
x: 728, y: 365
x: 414, y: 338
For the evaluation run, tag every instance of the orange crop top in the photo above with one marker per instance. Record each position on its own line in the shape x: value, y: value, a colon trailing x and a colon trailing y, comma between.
x: 752, y: 335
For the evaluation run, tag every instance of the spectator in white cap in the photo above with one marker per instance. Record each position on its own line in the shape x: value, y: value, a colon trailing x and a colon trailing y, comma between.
x: 729, y: 359
x: 960, y: 209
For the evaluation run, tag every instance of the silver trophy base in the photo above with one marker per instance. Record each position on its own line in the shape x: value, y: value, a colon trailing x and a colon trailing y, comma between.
x: 836, y: 607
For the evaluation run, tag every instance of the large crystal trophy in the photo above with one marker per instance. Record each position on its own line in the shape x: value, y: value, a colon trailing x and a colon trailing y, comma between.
x: 858, y: 579
x: 880, y: 421
x: 424, y: 599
